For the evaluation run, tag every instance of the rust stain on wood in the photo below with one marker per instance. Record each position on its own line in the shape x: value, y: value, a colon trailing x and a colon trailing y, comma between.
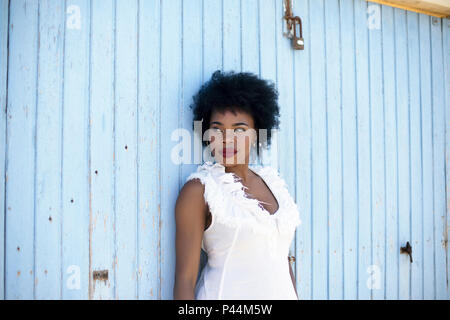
x: 101, y: 275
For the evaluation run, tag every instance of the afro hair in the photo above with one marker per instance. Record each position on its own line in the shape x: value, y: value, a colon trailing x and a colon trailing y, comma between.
x: 244, y: 92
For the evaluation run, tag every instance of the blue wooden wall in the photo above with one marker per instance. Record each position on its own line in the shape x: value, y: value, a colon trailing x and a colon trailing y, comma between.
x: 91, y: 91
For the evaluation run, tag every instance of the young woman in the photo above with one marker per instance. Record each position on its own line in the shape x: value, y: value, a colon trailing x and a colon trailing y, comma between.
x: 242, y: 216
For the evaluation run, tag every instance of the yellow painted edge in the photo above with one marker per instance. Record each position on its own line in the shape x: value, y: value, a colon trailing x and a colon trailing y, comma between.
x: 435, y: 14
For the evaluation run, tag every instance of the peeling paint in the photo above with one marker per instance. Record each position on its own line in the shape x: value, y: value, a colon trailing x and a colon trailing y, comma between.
x: 100, y: 275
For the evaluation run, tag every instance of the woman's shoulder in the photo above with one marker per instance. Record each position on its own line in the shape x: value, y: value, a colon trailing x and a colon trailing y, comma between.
x: 202, y: 173
x: 205, y: 182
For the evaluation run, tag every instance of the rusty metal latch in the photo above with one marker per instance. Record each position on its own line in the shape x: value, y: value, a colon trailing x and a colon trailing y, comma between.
x: 292, y: 21
x: 291, y: 259
x: 407, y: 250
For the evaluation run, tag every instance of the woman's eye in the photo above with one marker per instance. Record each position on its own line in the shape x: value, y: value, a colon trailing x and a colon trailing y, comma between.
x: 237, y: 130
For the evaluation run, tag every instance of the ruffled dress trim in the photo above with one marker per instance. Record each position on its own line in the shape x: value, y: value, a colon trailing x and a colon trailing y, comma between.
x: 231, y: 206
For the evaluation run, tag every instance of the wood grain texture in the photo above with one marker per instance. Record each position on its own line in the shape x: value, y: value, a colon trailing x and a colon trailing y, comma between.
x: 91, y: 92
x: 4, y: 11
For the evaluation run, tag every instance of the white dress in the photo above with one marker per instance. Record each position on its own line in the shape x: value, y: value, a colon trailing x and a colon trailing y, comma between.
x: 247, y: 247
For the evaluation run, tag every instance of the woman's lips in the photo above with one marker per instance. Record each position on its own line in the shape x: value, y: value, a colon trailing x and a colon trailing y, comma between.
x: 228, y: 152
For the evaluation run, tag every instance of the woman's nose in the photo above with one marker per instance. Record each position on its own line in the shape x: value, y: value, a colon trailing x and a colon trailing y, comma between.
x: 228, y: 135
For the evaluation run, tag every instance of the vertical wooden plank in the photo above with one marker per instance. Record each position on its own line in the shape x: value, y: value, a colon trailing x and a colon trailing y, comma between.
x: 4, y: 18
x: 334, y: 149
x: 363, y: 134
x: 285, y: 86
x: 446, y: 50
x: 390, y: 128
x: 286, y: 99
x: 212, y: 37
x: 149, y: 150
x: 427, y: 156
x: 48, y: 151
x: 404, y: 205
x: 439, y: 127
x: 192, y: 80
x: 192, y: 73
x: 377, y: 197
x: 170, y: 114
x: 250, y: 50
x: 319, y: 191
x: 349, y: 151
x: 268, y: 64
x: 126, y: 73
x: 20, y: 150
x: 232, y: 36
x: 303, y: 134
x: 75, y: 171
x: 213, y: 45
x: 102, y: 149
x: 416, y: 152
x: 250, y: 36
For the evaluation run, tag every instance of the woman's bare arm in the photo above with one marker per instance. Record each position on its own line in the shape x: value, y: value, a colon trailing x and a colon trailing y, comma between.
x: 190, y: 222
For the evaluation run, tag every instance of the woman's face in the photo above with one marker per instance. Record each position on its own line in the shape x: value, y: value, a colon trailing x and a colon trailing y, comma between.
x: 231, y: 137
